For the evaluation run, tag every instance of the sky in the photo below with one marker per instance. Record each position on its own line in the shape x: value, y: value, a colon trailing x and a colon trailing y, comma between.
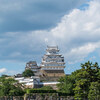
x: 28, y: 26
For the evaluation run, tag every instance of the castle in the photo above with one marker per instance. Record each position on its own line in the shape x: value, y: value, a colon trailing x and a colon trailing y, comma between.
x: 51, y: 68
x: 52, y: 64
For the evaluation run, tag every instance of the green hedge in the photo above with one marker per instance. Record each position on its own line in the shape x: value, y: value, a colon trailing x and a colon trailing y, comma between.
x: 29, y: 91
x: 64, y: 94
x: 40, y: 91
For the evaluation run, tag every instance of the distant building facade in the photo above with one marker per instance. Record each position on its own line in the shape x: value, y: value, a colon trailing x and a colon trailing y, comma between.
x: 52, y: 64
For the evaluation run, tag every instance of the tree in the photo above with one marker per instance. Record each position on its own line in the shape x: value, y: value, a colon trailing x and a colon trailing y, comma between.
x: 80, y: 90
x: 83, y: 82
x: 98, y: 75
x: 86, y: 75
x: 9, y: 87
x: 94, y: 92
x: 66, y: 84
x: 28, y: 73
x: 4, y: 75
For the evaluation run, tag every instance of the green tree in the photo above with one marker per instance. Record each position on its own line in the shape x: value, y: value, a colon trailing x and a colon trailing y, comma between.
x: 80, y: 82
x: 80, y: 90
x: 94, y: 92
x: 98, y: 76
x: 28, y: 73
x: 66, y: 84
x: 87, y: 74
x: 4, y: 75
x: 10, y: 87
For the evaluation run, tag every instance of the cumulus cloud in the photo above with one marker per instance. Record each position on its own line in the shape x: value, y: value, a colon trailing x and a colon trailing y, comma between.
x: 17, y: 15
x: 2, y: 70
x: 79, y: 53
x: 77, y: 35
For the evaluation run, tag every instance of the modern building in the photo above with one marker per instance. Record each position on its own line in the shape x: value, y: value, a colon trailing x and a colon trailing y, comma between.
x: 32, y: 65
x: 52, y: 64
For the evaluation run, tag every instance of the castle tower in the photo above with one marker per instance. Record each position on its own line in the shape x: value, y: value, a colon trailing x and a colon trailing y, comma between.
x: 52, y: 64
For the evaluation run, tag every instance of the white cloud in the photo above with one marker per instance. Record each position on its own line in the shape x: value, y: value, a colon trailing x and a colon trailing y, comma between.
x: 18, y: 15
x: 77, y: 35
x: 78, y: 54
x: 2, y: 70
x: 79, y: 23
x: 79, y: 32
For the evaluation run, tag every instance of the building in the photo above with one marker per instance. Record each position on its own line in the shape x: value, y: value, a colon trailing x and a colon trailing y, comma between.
x: 32, y: 65
x: 18, y: 75
x: 51, y: 68
x: 52, y: 64
x: 31, y: 82
x: 34, y: 82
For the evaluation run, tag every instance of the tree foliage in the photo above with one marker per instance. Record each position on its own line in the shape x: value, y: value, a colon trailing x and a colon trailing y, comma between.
x: 66, y: 84
x: 89, y: 73
x: 28, y: 73
x: 83, y: 82
x: 94, y: 92
x: 46, y: 88
x: 10, y: 87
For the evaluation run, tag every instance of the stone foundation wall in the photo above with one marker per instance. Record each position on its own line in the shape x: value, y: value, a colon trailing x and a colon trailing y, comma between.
x: 12, y: 98
x: 49, y: 79
x: 38, y: 96
x: 51, y: 74
x: 55, y: 74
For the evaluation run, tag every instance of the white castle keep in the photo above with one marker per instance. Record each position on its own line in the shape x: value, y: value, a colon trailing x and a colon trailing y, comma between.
x: 52, y: 62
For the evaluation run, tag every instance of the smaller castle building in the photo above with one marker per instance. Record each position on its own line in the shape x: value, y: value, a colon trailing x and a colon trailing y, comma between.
x: 32, y: 65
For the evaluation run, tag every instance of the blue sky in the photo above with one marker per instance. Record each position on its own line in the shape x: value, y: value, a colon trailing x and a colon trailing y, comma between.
x: 28, y: 26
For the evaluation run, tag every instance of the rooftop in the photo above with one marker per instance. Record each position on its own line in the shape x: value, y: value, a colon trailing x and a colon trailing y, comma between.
x: 52, y: 48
